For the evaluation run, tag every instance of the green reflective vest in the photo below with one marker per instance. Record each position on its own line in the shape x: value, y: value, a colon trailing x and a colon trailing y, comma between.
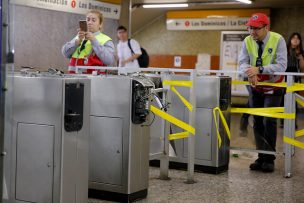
x: 268, y: 56
x: 102, y: 39
x: 270, y: 49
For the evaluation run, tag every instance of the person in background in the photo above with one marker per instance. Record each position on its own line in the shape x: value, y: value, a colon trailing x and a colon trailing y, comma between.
x: 295, y: 60
x: 128, y: 50
x: 263, y: 53
x: 91, y: 47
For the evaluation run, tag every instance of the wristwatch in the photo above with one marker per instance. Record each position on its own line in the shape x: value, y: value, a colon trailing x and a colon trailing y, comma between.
x: 261, y: 69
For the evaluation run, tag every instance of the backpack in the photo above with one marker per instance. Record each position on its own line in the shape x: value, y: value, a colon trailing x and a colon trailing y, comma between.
x: 143, y: 59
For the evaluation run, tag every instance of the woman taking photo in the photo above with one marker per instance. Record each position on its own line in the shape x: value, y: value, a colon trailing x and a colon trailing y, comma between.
x: 90, y: 47
x: 295, y: 60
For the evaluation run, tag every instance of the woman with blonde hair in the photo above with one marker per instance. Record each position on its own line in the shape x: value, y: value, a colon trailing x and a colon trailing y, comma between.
x: 90, y: 47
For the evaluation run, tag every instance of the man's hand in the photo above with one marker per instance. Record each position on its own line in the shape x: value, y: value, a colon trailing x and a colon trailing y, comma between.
x: 252, y: 71
x: 253, y: 80
x: 90, y: 36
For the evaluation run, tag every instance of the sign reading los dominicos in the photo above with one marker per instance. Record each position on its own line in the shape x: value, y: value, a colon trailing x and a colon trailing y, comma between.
x: 229, y: 23
x: 73, y: 6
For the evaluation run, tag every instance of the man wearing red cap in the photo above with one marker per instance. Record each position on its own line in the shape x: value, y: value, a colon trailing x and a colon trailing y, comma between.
x: 262, y: 54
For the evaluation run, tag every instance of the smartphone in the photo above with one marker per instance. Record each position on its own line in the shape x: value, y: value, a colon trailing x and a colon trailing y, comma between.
x: 83, y: 25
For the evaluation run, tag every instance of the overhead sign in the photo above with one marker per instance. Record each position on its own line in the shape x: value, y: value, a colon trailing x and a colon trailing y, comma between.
x: 74, y: 6
x: 229, y: 23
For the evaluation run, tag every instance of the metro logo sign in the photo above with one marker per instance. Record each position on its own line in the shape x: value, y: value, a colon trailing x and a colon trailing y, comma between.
x: 74, y: 6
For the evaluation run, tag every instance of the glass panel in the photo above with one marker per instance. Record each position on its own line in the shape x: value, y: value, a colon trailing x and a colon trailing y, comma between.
x: 1, y: 107
x: 7, y: 69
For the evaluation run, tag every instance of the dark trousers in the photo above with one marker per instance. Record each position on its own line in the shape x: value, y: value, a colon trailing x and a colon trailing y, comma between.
x: 245, y: 115
x: 265, y: 128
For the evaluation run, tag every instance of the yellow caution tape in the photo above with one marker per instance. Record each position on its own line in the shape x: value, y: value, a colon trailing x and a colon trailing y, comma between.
x: 295, y: 87
x: 239, y: 82
x: 172, y: 119
x: 183, y: 83
x: 273, y: 112
x: 270, y: 109
x: 301, y: 102
x: 224, y: 123
x: 293, y: 142
x: 281, y: 84
x: 176, y: 136
x: 299, y: 133
x: 187, y: 104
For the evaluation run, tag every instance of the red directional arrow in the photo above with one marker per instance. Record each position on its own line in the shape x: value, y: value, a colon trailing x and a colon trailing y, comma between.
x: 73, y: 4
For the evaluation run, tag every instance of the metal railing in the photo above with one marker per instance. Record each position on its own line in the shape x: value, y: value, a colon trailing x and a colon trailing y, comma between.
x: 289, y: 124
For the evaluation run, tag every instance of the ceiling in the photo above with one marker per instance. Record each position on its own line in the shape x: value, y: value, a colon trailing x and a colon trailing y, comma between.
x: 142, y: 16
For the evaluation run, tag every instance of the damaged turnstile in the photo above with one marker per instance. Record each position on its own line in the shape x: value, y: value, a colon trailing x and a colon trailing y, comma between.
x: 47, y: 151
x: 211, y: 92
x: 119, y: 137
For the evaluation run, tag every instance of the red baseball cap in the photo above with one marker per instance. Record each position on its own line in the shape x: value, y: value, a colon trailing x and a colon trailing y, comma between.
x: 257, y: 20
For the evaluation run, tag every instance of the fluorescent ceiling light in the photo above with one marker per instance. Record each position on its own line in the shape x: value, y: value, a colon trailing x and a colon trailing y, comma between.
x: 165, y: 5
x: 245, y: 1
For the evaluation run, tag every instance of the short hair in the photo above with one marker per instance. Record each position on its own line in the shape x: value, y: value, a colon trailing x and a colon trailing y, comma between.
x: 98, y: 13
x: 121, y: 27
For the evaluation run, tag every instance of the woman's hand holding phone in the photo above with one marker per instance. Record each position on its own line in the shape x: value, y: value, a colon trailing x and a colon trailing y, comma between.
x: 90, y: 36
x: 81, y: 35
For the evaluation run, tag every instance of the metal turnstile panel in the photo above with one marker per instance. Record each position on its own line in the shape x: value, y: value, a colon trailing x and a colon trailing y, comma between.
x: 207, y: 92
x: 40, y: 95
x: 113, y: 93
x: 34, y: 173
x: 106, y: 140
x: 156, y: 138
x: 203, y: 137
x: 211, y: 92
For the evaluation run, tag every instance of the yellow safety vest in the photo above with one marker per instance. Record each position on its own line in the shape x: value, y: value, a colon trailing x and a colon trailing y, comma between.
x: 270, y: 49
x: 102, y: 39
x: 269, y: 54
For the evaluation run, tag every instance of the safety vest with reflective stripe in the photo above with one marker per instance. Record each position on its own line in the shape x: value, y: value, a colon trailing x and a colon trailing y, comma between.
x: 268, y: 57
x: 87, y: 56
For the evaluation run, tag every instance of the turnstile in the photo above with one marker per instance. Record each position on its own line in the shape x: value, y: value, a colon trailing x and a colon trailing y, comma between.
x: 211, y: 92
x: 47, y: 151
x: 119, y: 137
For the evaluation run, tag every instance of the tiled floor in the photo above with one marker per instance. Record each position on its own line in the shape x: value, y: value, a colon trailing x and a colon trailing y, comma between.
x: 239, y: 184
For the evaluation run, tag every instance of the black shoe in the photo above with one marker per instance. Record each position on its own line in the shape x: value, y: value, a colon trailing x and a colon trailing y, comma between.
x: 257, y: 165
x: 244, y: 123
x: 268, y: 167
